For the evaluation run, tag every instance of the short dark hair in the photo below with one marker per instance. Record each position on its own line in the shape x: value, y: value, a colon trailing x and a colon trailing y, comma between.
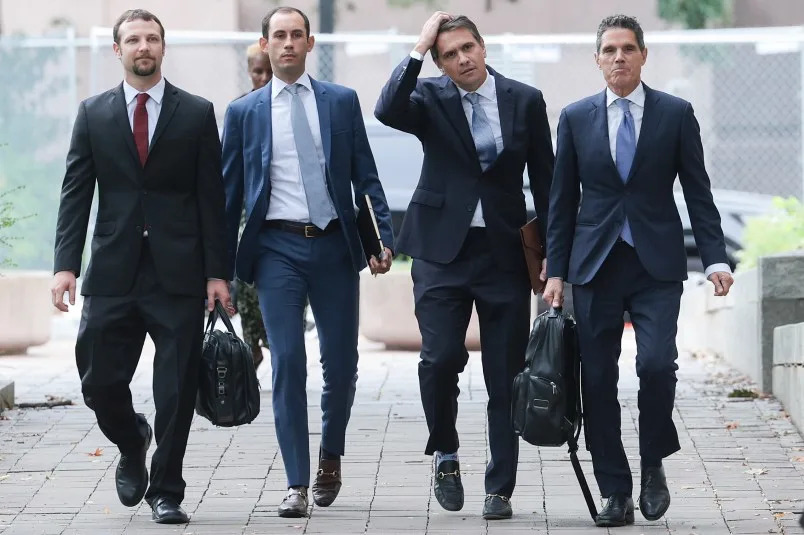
x: 461, y: 21
x: 266, y: 21
x: 136, y: 14
x: 620, y: 21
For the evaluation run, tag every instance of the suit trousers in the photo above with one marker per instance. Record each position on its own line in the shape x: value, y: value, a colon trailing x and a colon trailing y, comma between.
x: 290, y: 268
x: 622, y: 284
x: 110, y: 340
x: 444, y: 295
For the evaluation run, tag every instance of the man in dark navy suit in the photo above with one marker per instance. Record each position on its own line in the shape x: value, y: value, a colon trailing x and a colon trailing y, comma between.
x: 478, y: 130
x: 296, y: 154
x: 621, y: 245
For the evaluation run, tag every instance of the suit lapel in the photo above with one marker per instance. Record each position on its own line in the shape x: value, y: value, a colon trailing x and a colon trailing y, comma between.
x: 651, y: 117
x: 120, y: 112
x: 600, y: 122
x: 263, y: 111
x: 506, y: 105
x: 324, y: 117
x: 451, y: 102
x: 170, y: 100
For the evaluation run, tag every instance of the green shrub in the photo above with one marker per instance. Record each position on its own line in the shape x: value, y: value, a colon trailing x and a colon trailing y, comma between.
x: 779, y: 231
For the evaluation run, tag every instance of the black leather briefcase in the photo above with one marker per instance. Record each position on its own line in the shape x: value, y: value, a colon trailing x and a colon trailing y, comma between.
x: 228, y: 389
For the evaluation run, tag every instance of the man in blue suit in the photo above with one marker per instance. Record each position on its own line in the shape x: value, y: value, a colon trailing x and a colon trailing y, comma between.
x: 293, y: 151
x: 478, y: 129
x: 621, y: 245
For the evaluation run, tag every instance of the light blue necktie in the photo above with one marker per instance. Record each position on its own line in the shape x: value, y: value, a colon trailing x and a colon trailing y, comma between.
x: 625, y: 150
x: 482, y: 133
x: 315, y: 187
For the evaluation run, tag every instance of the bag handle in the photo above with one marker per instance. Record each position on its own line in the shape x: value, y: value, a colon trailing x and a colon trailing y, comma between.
x: 219, y: 312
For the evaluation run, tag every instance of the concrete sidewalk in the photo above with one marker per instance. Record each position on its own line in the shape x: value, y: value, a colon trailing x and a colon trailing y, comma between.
x: 740, y: 470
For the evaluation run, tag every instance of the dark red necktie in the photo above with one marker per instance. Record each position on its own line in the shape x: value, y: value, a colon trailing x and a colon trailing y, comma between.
x: 141, y: 127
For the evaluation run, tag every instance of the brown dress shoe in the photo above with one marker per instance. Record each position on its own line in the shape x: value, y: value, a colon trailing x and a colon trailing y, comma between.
x: 327, y: 483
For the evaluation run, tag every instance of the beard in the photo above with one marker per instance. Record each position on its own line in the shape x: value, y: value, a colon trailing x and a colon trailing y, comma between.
x: 144, y: 71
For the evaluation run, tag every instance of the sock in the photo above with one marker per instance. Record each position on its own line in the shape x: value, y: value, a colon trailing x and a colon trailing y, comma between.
x: 329, y: 456
x: 440, y: 457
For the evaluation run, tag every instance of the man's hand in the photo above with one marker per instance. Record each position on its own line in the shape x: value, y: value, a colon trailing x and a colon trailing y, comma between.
x: 543, y: 274
x: 63, y: 281
x: 219, y: 289
x: 381, y: 266
x: 722, y: 281
x: 554, y: 292
x: 430, y: 31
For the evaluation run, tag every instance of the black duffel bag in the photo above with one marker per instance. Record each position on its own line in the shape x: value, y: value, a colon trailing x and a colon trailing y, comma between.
x: 228, y: 389
x: 546, y: 408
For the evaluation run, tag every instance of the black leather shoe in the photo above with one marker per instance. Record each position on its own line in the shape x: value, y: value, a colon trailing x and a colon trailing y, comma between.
x: 294, y: 505
x: 166, y: 510
x: 131, y: 476
x: 497, y: 507
x: 447, y: 485
x: 654, y: 497
x: 327, y: 481
x: 619, y: 511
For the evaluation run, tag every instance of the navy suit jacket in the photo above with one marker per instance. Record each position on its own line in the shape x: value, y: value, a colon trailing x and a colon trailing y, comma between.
x: 451, y: 181
x: 247, y: 165
x: 589, y: 201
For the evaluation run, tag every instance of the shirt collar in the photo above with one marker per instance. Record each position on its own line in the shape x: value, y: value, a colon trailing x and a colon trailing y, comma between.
x: 637, y: 96
x: 487, y: 89
x: 156, y: 92
x: 278, y: 85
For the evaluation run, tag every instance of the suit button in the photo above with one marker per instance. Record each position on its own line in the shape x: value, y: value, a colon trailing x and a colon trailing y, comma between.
x: 469, y: 207
x: 139, y: 228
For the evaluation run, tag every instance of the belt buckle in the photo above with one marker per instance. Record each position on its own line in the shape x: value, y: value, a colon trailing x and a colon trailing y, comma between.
x: 309, y: 231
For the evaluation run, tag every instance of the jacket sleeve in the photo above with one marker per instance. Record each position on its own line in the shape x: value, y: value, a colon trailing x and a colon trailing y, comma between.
x: 211, y: 198
x: 77, y: 190
x: 565, y: 194
x: 233, y: 170
x: 365, y: 178
x: 400, y: 106
x: 695, y: 184
x: 540, y: 161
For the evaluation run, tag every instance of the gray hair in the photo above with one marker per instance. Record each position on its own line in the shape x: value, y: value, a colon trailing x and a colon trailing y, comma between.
x: 620, y: 21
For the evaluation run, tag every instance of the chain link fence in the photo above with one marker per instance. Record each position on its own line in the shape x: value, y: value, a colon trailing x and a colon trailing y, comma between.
x: 745, y: 86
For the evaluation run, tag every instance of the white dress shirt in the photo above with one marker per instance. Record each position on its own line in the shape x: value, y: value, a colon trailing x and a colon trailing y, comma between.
x: 153, y: 105
x: 288, y: 199
x: 615, y: 117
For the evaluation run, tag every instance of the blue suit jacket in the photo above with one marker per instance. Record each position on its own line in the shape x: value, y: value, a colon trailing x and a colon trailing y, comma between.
x: 583, y: 227
x: 247, y: 164
x: 451, y: 182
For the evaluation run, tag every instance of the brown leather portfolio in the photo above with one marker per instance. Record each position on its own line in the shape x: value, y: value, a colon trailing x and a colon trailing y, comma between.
x: 534, y: 253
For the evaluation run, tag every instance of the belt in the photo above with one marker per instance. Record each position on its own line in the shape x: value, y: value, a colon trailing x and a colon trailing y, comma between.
x: 307, y: 230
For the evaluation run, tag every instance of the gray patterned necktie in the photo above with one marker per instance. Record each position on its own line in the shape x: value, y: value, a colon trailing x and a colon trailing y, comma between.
x: 482, y: 133
x: 625, y: 149
x: 315, y: 187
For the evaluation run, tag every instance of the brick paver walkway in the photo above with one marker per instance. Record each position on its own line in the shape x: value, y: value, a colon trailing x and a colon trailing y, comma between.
x: 741, y: 468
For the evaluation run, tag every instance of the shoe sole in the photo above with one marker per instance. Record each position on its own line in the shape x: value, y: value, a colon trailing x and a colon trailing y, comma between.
x: 292, y: 514
x: 170, y: 520
x: 496, y: 517
x: 629, y: 519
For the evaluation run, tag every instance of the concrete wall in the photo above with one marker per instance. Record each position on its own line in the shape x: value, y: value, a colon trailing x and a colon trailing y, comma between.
x: 25, y: 310
x: 788, y: 370
x: 739, y: 327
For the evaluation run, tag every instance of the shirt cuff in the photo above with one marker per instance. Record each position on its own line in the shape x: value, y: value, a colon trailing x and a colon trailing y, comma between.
x: 716, y: 267
x: 416, y: 55
x: 213, y: 279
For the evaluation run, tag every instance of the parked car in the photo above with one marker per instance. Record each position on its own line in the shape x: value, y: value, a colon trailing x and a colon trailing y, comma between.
x: 399, y: 160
